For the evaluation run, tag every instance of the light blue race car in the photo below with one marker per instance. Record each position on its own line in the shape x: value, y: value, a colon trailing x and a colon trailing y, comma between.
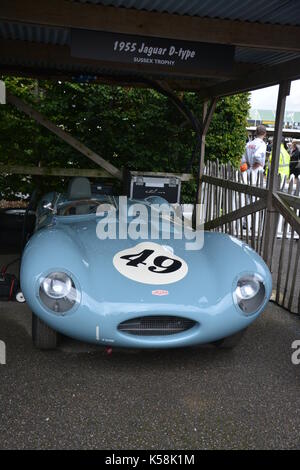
x: 88, y: 273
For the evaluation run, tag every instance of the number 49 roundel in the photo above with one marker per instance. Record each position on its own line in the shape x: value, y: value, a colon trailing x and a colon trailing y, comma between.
x: 150, y: 263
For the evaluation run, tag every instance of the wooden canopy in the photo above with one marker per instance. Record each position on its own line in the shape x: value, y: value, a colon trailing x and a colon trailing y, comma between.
x: 35, y: 41
x: 242, y: 49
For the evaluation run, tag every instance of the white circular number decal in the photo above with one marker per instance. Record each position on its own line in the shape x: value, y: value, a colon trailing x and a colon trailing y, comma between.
x: 150, y: 263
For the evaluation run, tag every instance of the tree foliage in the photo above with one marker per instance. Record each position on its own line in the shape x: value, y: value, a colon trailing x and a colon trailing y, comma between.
x: 135, y: 128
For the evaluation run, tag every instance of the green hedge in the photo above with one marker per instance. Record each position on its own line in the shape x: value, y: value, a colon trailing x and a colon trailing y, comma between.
x: 136, y: 128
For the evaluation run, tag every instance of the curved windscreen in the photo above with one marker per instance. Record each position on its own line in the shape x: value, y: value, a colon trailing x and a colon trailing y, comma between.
x: 86, y: 206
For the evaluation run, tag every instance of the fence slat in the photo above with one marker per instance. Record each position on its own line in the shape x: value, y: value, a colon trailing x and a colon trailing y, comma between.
x: 260, y: 219
x: 293, y: 285
x: 226, y: 194
x: 282, y: 248
x: 240, y: 204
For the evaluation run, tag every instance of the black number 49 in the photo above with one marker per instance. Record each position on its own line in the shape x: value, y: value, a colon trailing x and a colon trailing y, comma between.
x: 159, y: 261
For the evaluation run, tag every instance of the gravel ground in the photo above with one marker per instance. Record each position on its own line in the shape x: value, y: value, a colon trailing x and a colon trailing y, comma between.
x: 79, y: 398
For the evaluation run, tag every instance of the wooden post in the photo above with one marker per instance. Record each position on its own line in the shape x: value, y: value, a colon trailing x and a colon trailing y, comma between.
x: 202, y: 153
x: 271, y: 218
x: 207, y: 114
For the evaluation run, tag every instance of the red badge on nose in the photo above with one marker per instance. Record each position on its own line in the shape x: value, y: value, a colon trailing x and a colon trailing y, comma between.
x: 160, y: 292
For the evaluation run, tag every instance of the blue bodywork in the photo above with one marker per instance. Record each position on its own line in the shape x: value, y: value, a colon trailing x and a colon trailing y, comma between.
x: 107, y: 298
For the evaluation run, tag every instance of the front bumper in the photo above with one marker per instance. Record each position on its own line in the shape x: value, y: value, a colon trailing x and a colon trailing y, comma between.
x: 99, y: 323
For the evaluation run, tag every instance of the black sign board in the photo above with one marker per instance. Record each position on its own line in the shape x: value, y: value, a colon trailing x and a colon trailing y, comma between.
x: 176, y: 55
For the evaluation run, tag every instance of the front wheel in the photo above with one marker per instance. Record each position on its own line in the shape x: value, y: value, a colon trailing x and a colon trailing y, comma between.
x: 43, y: 336
x: 230, y: 341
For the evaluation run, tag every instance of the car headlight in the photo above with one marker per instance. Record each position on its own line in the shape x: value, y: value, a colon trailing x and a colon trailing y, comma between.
x: 250, y: 293
x: 58, y: 292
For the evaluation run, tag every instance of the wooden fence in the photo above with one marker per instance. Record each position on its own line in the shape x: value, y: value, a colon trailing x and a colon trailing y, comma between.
x: 235, y: 203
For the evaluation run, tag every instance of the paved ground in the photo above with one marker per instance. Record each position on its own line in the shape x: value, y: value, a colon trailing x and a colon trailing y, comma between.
x: 78, y: 397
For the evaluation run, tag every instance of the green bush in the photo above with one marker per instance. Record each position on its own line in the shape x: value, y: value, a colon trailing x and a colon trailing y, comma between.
x: 135, y: 128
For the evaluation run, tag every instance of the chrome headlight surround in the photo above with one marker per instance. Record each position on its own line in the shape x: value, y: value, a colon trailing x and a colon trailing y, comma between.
x: 249, y: 293
x: 58, y: 293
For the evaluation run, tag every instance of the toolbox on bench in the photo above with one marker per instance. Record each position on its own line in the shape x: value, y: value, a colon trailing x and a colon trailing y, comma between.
x: 144, y: 186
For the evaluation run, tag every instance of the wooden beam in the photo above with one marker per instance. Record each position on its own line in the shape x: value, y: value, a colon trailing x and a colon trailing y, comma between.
x: 55, y: 61
x: 284, y: 91
x: 235, y: 186
x: 208, y: 110
x: 271, y: 220
x: 64, y: 13
x: 263, y: 77
x: 293, y: 201
x: 22, y: 106
x: 190, y: 84
x: 208, y: 116
x: 46, y: 171
x: 288, y: 213
x: 180, y: 105
x: 237, y: 214
x: 201, y: 162
x: 59, y: 58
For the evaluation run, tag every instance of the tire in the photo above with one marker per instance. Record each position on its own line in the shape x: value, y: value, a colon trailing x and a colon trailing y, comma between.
x: 230, y: 341
x: 43, y: 337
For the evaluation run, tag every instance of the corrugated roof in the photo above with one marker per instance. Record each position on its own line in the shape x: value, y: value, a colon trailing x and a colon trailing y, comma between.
x: 269, y: 115
x: 285, y: 12
x: 262, y: 115
x: 253, y: 55
x: 34, y: 33
x: 296, y: 116
x: 61, y: 36
x: 251, y: 10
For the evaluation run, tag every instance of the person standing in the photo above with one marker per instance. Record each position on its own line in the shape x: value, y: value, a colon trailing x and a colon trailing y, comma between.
x: 254, y: 158
x: 295, y: 160
x: 284, y: 161
x: 255, y: 152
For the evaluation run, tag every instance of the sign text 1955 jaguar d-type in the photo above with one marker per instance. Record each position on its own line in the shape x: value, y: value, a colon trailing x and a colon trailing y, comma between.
x: 132, y: 292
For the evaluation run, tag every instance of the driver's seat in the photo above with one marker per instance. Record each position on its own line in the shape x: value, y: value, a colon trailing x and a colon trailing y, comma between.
x: 79, y: 188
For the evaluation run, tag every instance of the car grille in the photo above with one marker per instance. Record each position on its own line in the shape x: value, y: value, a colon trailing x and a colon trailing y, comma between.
x: 156, y: 325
